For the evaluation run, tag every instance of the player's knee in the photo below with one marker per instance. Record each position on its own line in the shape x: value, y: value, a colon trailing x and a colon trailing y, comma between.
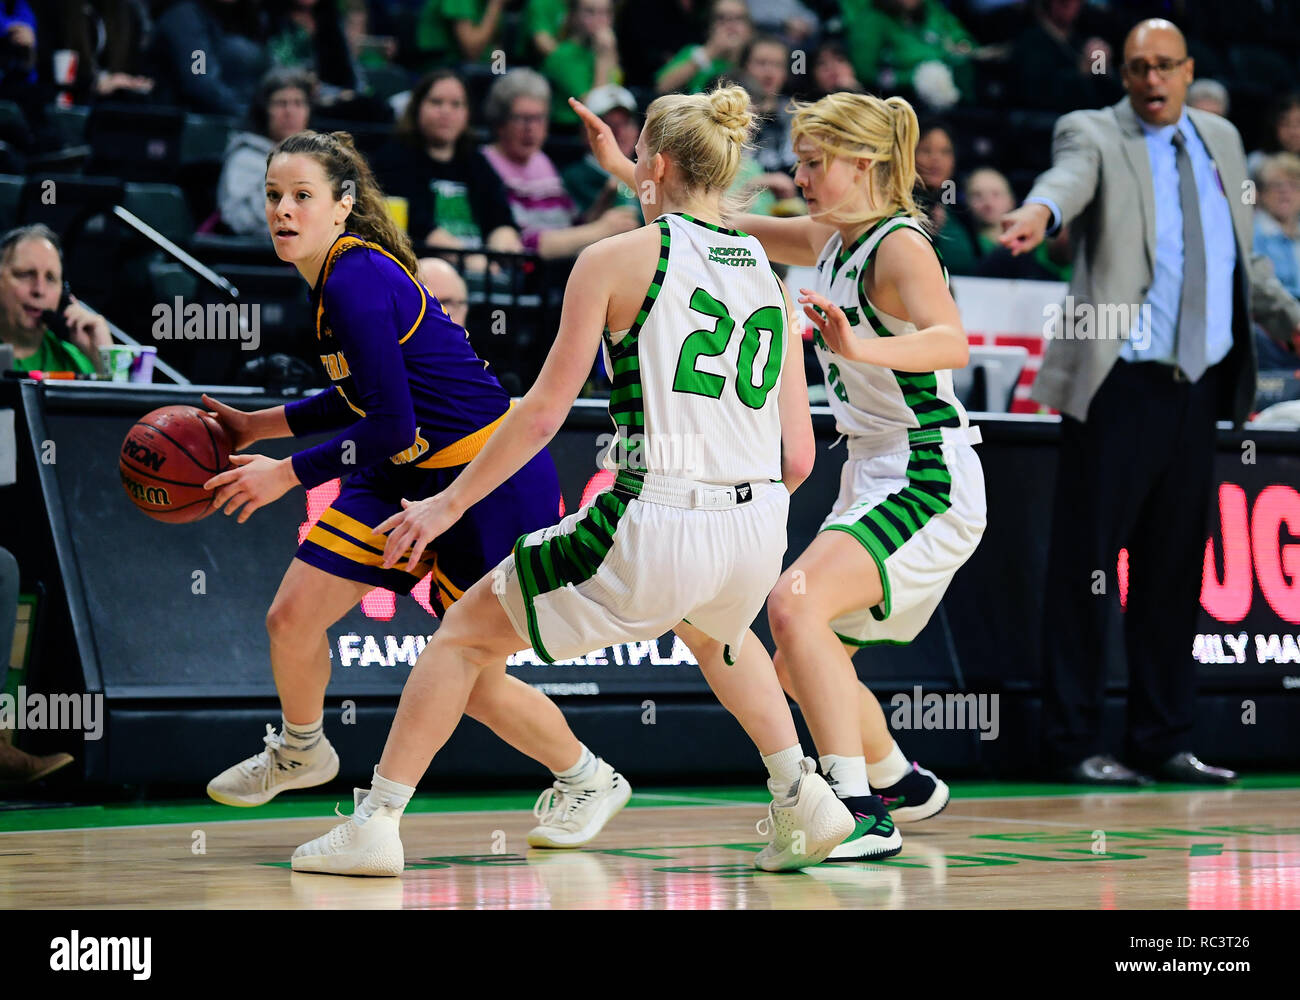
x: 785, y: 608
x: 282, y: 619
x: 460, y: 636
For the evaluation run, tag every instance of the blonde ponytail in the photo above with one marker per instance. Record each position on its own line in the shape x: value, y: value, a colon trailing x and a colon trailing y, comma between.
x: 863, y: 126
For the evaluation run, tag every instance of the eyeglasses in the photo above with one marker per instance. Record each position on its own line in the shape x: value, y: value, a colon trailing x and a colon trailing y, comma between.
x: 527, y: 119
x: 1139, y: 68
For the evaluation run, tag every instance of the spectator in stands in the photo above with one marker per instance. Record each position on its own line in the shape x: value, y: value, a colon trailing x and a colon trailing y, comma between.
x: 1284, y: 135
x: 17, y: 48
x: 787, y: 19
x: 308, y: 35
x: 593, y: 191
x: 989, y: 198
x: 1055, y: 67
x: 455, y: 31
x: 832, y: 72
x: 15, y: 765
x: 371, y: 51
x: 454, y: 198
x: 31, y: 284
x: 889, y: 39
x: 586, y: 59
x: 108, y: 37
x: 766, y: 62
x: 209, y: 55
x: 730, y: 30
x: 936, y: 166
x: 543, y: 24
x: 1277, y: 237
x: 518, y: 107
x: 653, y: 33
x: 765, y: 171
x: 1209, y: 95
x: 281, y: 108
x: 447, y: 286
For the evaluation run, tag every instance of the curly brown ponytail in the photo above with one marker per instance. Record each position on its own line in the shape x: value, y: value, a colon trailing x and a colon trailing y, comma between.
x: 348, y: 173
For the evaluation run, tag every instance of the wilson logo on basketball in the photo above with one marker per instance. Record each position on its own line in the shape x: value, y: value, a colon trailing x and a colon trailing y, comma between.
x: 143, y: 454
x: 154, y: 495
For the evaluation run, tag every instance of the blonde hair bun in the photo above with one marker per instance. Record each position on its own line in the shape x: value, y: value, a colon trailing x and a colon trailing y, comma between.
x: 731, y: 111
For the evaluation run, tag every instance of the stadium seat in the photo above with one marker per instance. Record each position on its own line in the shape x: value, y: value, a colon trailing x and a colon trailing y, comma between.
x: 68, y: 124
x: 204, y: 138
x: 135, y: 143
x: 11, y: 194
x: 13, y: 126
x: 218, y: 250
x: 163, y: 207
x: 385, y: 81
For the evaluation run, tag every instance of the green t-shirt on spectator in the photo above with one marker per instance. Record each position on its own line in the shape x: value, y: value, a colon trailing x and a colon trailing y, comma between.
x: 571, y: 69
x: 700, y: 80
x: 56, y: 355
x: 585, y: 181
x: 876, y: 41
x: 435, y: 35
x: 545, y: 15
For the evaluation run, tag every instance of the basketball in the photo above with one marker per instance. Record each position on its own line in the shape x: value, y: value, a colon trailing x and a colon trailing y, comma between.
x: 167, y: 457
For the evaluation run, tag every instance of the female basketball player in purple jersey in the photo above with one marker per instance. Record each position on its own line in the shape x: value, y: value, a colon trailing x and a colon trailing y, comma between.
x: 412, y: 405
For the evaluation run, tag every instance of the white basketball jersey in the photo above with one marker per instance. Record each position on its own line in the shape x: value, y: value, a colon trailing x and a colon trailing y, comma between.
x: 697, y: 376
x: 869, y: 400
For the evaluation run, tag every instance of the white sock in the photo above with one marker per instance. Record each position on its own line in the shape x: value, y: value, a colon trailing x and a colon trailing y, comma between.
x: 583, y: 770
x: 302, y: 738
x: 783, y: 769
x: 383, y: 792
x: 847, y: 775
x: 893, y: 768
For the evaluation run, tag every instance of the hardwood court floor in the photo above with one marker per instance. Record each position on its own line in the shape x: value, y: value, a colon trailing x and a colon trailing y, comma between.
x: 687, y: 849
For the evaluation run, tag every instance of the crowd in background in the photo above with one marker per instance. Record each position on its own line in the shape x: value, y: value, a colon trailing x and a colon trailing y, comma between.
x: 463, y: 103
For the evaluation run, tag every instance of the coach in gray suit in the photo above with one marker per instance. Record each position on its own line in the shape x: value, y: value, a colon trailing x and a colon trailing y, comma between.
x: 1153, y: 344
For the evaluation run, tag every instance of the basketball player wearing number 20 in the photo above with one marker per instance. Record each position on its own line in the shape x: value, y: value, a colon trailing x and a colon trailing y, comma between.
x: 699, y: 350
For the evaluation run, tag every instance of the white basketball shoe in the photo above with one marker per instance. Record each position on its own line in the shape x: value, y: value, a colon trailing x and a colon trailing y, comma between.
x: 570, y: 816
x: 805, y: 826
x: 351, y: 848
x: 263, y: 776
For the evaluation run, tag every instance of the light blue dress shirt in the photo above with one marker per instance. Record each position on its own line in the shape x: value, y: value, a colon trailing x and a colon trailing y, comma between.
x: 1153, y: 336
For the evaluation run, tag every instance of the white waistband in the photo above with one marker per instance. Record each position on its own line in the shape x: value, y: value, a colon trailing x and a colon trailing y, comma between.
x: 893, y: 442
x: 688, y: 493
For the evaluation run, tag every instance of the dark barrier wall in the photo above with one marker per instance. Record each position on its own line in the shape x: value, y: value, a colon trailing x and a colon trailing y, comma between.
x: 172, y: 615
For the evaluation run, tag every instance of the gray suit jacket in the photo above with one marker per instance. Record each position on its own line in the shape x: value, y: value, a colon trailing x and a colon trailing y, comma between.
x: 1101, y: 180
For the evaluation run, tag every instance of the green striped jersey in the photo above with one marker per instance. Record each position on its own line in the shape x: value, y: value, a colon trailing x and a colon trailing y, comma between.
x: 868, y: 400
x: 697, y: 376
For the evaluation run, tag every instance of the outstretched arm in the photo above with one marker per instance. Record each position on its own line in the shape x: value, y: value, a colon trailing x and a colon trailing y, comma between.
x: 797, y: 241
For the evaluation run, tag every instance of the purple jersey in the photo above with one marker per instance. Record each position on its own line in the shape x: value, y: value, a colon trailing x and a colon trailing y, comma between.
x: 407, y: 389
